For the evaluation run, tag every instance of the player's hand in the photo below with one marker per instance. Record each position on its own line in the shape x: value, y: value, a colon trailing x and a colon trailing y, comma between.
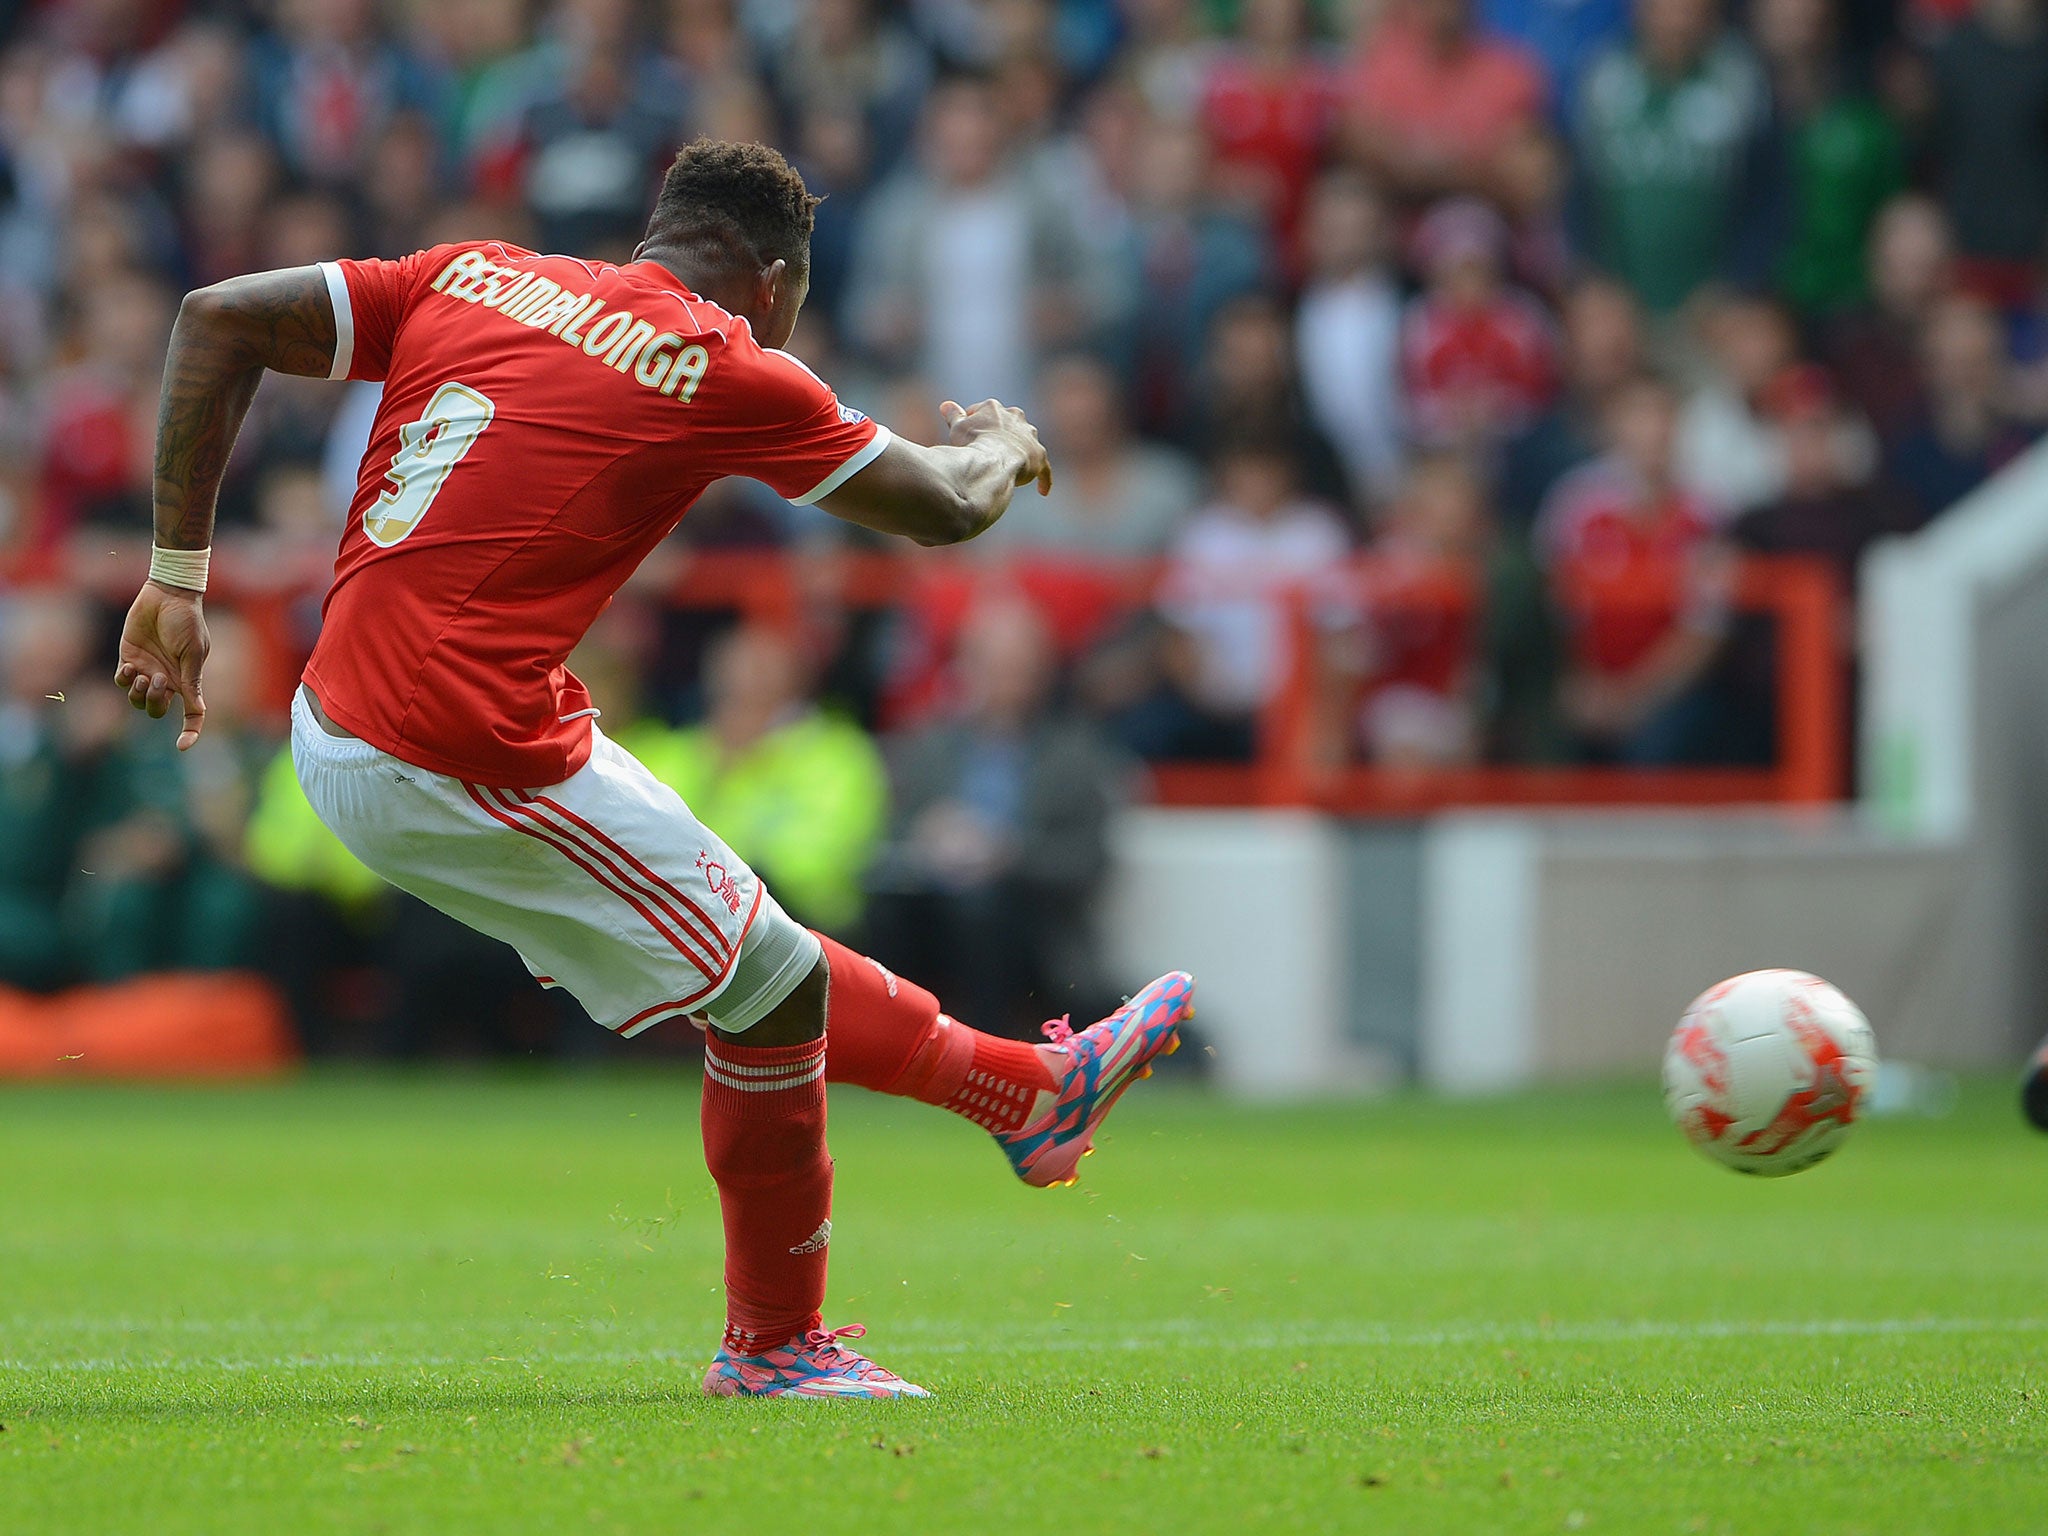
x: 163, y: 648
x: 992, y: 417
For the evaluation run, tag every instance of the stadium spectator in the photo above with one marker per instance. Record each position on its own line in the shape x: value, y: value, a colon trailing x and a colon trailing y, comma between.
x: 841, y: 59
x: 100, y: 422
x: 709, y: 49
x: 1267, y: 106
x: 590, y: 144
x: 1967, y: 431
x: 1832, y: 505
x: 999, y: 841
x: 288, y: 551
x: 1603, y: 348
x: 1191, y: 258
x: 1832, y: 509
x: 1168, y: 55
x: 835, y: 153
x: 1874, y: 348
x: 493, y: 73
x: 1114, y: 496
x: 306, y: 227
x: 26, y: 242
x: 1639, y: 588
x: 1095, y: 168
x: 327, y: 82
x: 192, y: 84
x: 1246, y: 388
x: 1990, y: 140
x: 49, y: 751
x: 1478, y: 357
x: 1412, y: 659
x: 1729, y: 453
x: 231, y: 184
x: 160, y: 883
x: 1844, y: 154
x: 402, y: 186
x: 1227, y: 604
x: 1030, y: 93
x: 1532, y: 185
x: 799, y: 792
x: 107, y: 233
x: 18, y: 404
x: 1677, y: 166
x: 1433, y: 100
x: 1347, y: 333
x: 965, y: 267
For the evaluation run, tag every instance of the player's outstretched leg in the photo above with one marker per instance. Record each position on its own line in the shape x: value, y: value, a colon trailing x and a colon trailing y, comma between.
x: 1041, y: 1103
x: 764, y: 1139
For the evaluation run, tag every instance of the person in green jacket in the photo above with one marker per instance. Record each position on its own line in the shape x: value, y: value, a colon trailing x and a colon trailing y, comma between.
x: 49, y: 756
x: 160, y: 883
x: 1679, y: 176
x: 802, y: 795
x: 1844, y: 155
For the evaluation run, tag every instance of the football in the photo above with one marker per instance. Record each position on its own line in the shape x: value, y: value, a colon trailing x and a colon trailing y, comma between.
x: 1768, y: 1070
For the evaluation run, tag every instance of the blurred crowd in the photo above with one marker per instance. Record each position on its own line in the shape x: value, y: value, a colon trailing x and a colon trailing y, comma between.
x: 1545, y: 309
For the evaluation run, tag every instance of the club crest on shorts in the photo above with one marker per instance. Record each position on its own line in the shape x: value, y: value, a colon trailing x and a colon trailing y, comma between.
x: 722, y: 884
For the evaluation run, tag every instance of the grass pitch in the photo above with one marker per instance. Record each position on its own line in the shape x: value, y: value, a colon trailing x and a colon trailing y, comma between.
x: 482, y: 1305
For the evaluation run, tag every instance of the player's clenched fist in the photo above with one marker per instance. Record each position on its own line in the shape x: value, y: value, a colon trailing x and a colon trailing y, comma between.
x: 993, y: 418
x: 163, y: 647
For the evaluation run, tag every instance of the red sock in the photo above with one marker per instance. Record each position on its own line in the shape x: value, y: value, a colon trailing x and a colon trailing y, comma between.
x: 888, y: 1034
x: 764, y: 1138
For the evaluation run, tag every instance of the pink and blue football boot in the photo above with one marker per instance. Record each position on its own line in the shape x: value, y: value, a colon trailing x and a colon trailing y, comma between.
x: 814, y: 1364
x: 1094, y: 1066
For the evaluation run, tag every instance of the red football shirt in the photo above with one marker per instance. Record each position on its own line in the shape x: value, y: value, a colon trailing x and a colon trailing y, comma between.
x: 1459, y: 107
x: 545, y: 423
x: 1273, y: 124
x: 1624, y: 565
x: 1488, y: 368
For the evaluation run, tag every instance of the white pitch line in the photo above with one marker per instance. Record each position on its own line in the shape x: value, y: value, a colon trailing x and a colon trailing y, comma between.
x: 1068, y: 1341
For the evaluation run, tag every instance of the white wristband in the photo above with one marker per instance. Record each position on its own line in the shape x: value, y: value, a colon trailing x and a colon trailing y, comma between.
x: 179, y: 567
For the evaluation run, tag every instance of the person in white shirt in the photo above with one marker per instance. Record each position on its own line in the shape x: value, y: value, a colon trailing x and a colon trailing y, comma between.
x: 1347, y: 333
x: 963, y: 264
x: 1225, y: 606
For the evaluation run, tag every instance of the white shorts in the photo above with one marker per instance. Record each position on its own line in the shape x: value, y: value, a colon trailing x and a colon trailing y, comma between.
x: 606, y: 883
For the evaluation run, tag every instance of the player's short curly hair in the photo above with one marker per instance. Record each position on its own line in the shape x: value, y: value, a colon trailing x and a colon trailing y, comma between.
x: 742, y: 203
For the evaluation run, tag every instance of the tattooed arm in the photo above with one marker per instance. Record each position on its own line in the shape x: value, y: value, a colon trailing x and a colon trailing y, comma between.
x: 226, y: 336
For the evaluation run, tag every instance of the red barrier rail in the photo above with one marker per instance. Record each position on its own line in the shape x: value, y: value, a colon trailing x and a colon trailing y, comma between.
x: 1799, y: 595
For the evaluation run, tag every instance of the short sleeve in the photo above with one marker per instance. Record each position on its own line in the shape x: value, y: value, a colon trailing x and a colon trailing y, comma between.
x: 791, y: 433
x: 370, y: 301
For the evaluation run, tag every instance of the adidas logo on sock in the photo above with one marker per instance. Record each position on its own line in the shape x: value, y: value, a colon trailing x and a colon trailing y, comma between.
x: 818, y: 1241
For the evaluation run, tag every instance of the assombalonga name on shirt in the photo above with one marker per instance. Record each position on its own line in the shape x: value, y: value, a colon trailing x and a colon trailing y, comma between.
x: 657, y: 359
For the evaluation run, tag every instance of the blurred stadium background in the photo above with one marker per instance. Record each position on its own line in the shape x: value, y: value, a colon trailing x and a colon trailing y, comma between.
x: 1546, y: 512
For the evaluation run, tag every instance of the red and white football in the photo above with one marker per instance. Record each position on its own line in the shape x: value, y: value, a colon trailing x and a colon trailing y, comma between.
x: 1768, y: 1070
